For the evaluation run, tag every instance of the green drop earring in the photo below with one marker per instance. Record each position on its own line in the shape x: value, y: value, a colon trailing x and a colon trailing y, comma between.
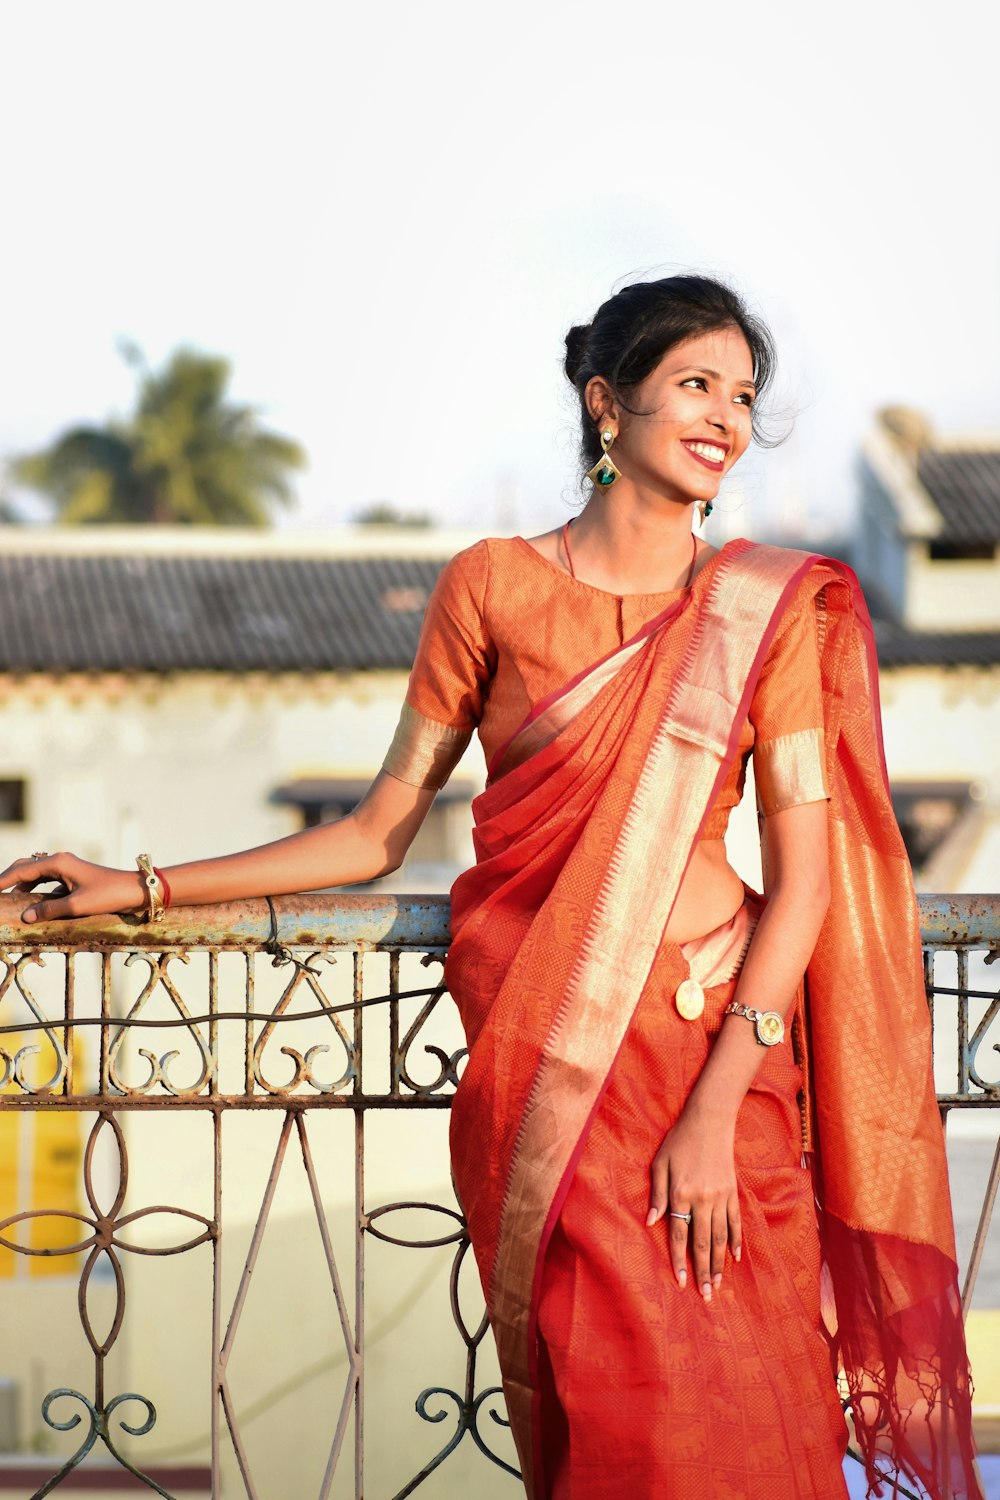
x: 604, y: 473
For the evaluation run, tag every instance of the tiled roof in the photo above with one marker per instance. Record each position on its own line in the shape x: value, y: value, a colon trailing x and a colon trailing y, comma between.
x: 126, y: 613
x: 965, y: 488
x: 898, y: 646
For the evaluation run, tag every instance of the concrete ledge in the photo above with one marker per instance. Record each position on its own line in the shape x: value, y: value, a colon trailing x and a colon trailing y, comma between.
x: 23, y: 1476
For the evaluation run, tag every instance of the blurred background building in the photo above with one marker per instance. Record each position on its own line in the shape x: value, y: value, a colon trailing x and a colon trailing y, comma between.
x: 927, y: 550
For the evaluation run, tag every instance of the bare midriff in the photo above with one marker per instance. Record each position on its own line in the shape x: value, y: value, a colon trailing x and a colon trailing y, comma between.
x: 710, y: 893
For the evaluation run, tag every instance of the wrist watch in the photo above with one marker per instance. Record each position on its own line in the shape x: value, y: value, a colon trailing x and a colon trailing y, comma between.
x: 768, y: 1024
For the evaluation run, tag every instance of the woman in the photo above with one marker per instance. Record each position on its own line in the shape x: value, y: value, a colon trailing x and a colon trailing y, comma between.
x: 650, y: 1078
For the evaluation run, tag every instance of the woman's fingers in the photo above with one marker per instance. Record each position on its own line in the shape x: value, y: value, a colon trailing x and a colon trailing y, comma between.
x: 679, y: 1233
x: 657, y: 1191
x: 735, y: 1227
x: 52, y: 908
x: 24, y: 875
x: 720, y: 1241
x: 25, y: 887
x: 701, y: 1248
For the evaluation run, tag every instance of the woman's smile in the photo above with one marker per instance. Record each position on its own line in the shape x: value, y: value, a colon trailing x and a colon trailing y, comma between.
x: 712, y: 455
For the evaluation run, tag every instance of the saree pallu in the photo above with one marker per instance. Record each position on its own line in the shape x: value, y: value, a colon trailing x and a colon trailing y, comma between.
x: 560, y: 971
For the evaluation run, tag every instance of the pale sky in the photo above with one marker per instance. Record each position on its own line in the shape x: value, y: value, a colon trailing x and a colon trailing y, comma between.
x: 387, y: 216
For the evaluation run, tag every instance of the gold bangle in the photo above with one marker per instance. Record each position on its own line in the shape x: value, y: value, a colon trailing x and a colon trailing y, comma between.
x: 154, y: 908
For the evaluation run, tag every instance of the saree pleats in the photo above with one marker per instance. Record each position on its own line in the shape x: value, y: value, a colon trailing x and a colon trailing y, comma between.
x: 732, y: 1398
x: 579, y: 1063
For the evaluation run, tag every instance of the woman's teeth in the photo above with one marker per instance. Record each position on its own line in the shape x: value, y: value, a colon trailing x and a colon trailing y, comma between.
x: 709, y: 451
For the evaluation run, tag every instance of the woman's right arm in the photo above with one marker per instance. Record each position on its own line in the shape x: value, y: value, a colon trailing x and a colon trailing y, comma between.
x: 371, y: 841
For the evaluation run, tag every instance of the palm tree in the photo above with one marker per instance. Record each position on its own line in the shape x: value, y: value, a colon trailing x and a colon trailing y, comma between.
x: 187, y: 456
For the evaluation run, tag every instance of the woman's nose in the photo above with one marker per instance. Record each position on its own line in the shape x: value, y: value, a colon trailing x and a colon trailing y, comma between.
x: 723, y: 416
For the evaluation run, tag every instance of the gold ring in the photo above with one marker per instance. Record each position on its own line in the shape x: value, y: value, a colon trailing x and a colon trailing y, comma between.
x: 40, y: 854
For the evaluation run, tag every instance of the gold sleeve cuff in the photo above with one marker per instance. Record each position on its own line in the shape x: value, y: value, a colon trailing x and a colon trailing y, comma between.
x: 423, y: 752
x: 790, y: 770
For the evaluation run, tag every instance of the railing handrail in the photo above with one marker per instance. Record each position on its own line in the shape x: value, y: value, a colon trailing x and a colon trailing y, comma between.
x: 366, y: 921
x: 316, y: 918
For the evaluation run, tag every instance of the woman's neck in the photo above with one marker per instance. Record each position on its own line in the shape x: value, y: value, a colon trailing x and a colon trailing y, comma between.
x: 627, y: 548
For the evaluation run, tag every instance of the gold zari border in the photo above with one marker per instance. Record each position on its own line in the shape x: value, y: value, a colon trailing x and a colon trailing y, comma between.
x: 790, y: 770
x: 424, y: 753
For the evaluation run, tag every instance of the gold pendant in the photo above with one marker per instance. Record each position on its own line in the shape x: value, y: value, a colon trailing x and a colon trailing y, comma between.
x: 690, y: 999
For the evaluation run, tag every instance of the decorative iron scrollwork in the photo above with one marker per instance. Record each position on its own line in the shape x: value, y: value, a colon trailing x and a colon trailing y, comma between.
x: 100, y: 1428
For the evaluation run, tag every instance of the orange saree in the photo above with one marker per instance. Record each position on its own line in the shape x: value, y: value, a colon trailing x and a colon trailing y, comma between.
x: 617, y: 1381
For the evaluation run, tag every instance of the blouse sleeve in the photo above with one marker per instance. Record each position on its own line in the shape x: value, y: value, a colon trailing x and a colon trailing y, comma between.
x: 450, y: 676
x: 789, y: 752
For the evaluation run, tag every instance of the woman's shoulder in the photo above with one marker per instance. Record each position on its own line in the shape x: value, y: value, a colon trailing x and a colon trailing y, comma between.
x: 465, y: 572
x: 475, y: 560
x: 768, y: 554
x: 496, y: 561
x: 810, y: 573
x: 472, y: 581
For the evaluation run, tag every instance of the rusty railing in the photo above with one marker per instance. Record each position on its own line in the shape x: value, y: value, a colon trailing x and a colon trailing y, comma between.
x: 326, y: 1008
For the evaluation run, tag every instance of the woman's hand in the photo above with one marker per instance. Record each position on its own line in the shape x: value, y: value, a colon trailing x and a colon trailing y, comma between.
x: 694, y: 1172
x: 84, y: 890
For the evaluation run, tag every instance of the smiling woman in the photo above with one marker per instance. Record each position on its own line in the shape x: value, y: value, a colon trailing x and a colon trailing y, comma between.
x: 677, y: 1120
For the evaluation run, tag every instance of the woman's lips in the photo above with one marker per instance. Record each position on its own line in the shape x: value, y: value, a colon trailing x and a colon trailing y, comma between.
x: 705, y: 453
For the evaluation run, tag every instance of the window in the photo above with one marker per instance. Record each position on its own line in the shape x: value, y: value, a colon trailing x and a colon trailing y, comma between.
x: 13, y: 799
x: 961, y: 551
x: 439, y: 850
x: 41, y: 1166
x: 926, y: 813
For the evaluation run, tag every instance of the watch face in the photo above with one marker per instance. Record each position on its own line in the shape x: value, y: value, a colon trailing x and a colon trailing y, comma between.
x: 770, y: 1028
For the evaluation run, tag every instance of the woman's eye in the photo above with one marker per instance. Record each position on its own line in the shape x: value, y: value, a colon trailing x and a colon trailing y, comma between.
x: 746, y: 398
x: 696, y: 380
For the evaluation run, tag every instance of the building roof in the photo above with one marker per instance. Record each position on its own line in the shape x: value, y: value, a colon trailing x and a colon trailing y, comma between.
x: 158, y: 613
x: 899, y: 646
x: 964, y: 486
x: 182, y: 612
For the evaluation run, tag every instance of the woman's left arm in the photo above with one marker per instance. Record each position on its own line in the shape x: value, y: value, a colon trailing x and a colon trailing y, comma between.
x: 694, y: 1170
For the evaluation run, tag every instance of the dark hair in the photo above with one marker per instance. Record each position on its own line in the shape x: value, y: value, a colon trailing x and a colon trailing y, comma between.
x: 633, y: 330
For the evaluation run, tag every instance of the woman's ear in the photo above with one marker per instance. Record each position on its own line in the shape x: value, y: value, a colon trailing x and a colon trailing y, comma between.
x: 600, y: 402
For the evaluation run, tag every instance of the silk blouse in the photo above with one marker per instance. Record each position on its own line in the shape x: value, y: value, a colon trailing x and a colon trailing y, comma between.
x: 505, y: 627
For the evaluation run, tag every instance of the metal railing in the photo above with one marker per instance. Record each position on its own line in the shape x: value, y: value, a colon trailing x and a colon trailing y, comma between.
x: 322, y: 1004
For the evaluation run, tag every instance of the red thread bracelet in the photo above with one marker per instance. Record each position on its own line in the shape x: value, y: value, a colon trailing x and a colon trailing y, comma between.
x: 166, y: 887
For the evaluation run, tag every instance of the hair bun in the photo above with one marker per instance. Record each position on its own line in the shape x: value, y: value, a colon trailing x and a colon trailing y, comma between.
x: 576, y: 350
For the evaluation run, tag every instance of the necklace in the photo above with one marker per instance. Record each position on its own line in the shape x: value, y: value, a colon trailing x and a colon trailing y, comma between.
x: 690, y: 572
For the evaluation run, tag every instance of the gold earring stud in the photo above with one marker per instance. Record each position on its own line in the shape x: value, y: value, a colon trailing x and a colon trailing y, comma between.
x: 604, y: 472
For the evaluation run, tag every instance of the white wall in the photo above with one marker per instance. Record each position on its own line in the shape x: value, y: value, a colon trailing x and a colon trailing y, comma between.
x: 943, y: 595
x: 184, y: 766
x: 943, y: 725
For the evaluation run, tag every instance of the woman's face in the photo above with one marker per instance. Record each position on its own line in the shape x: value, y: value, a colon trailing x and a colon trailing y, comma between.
x: 698, y: 401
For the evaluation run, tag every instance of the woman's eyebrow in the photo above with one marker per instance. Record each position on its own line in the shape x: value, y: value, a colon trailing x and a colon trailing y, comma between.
x: 704, y: 370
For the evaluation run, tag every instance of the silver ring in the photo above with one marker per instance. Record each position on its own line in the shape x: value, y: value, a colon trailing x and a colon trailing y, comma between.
x: 40, y: 854
x: 685, y: 1217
